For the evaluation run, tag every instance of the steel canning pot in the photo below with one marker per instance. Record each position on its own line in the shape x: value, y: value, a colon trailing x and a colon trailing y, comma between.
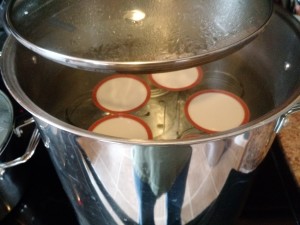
x: 112, y: 180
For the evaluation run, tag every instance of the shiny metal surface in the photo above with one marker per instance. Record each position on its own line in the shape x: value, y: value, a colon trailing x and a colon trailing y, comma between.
x: 135, y: 36
x: 13, y: 175
x: 35, y: 138
x: 284, y: 118
x: 97, y: 171
x: 6, y: 120
x: 98, y: 177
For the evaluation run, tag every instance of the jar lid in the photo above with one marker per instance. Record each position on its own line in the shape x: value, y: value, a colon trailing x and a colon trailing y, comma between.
x: 6, y: 119
x: 122, y: 126
x: 178, y: 80
x: 136, y: 36
x: 216, y: 110
x: 121, y: 93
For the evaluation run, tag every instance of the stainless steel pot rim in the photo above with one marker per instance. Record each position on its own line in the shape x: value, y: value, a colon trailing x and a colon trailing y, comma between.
x: 42, y: 116
x: 267, y: 118
x: 156, y: 65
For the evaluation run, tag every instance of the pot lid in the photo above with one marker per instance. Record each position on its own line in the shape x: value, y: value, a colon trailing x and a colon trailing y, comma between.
x: 6, y: 119
x: 136, y: 36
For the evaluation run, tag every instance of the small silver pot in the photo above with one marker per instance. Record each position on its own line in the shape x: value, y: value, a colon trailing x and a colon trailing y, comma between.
x: 13, y: 176
x: 98, y: 172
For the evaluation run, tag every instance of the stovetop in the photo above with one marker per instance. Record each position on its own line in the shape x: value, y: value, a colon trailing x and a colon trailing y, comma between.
x: 274, y: 198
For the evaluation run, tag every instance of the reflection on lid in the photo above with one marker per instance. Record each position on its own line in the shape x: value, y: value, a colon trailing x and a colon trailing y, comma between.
x: 135, y: 15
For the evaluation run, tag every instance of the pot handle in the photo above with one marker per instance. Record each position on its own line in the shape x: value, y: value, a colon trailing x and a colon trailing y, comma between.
x: 33, y: 143
x: 284, y: 118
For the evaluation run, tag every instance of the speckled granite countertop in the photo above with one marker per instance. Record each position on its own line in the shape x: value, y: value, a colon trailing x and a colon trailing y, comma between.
x: 289, y: 138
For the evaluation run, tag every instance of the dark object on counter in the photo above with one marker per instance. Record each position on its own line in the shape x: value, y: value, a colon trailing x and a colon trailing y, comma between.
x: 44, y: 201
x: 13, y: 175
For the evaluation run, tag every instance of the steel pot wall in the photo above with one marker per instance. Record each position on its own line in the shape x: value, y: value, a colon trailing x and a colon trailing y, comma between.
x: 100, y: 174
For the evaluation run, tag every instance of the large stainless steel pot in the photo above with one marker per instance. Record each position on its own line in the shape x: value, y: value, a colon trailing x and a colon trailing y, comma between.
x: 97, y: 171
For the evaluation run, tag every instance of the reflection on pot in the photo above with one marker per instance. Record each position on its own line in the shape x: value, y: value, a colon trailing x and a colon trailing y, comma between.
x: 139, y: 180
x: 160, y: 170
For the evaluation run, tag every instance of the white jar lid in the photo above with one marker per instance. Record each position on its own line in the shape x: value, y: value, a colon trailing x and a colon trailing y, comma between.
x: 216, y: 110
x: 122, y: 126
x: 121, y: 93
x: 178, y: 80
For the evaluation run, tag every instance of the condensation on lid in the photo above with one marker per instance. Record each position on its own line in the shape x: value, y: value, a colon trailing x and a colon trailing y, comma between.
x: 136, y: 36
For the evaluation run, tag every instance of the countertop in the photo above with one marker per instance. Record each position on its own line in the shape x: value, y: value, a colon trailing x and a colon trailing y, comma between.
x: 289, y: 139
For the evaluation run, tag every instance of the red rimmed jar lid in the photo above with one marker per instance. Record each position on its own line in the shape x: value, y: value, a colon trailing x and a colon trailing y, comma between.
x: 123, y: 126
x: 121, y: 93
x: 179, y: 80
x: 216, y: 110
